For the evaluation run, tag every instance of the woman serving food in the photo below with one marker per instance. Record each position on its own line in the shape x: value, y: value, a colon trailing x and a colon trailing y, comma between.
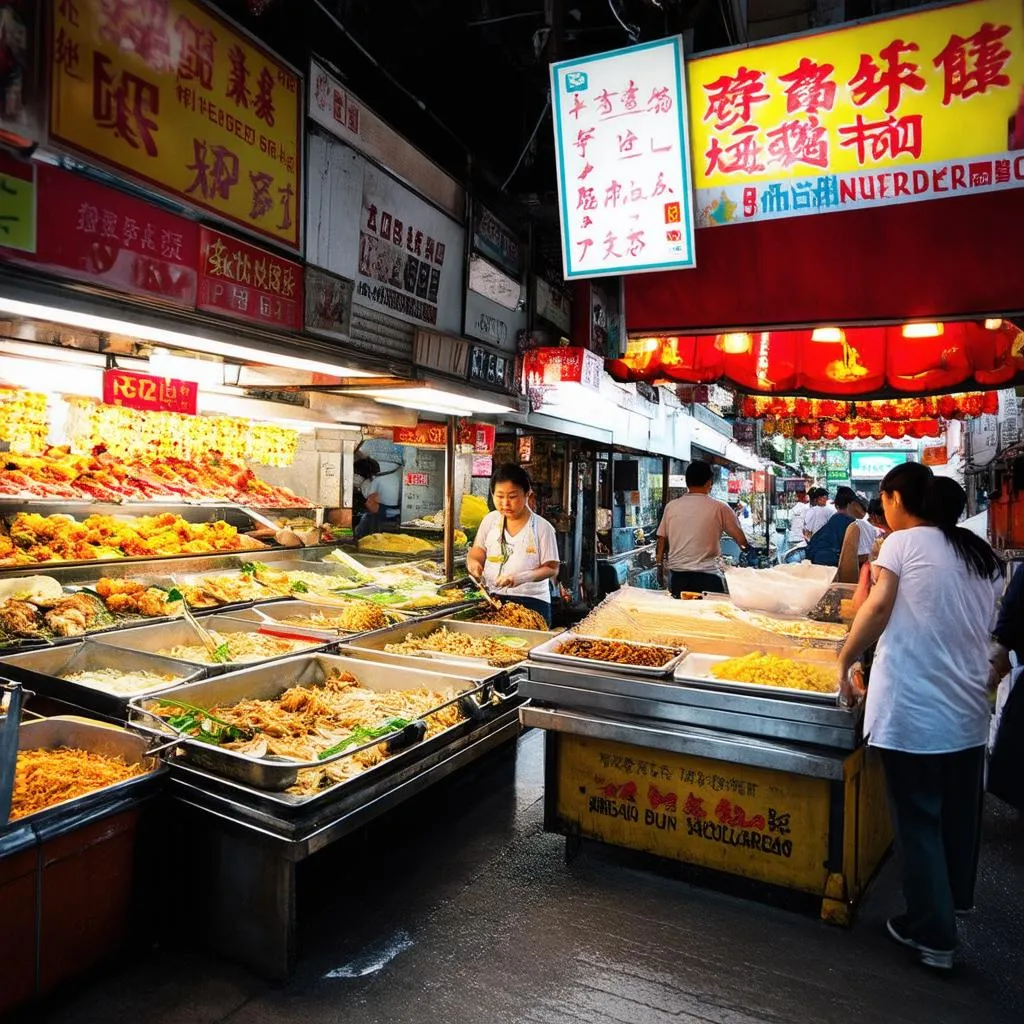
x: 515, y: 551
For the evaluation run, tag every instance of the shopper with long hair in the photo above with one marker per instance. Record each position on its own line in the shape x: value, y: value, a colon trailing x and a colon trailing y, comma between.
x: 927, y: 709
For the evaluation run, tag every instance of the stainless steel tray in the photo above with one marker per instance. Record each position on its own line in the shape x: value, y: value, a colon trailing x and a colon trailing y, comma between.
x: 80, y: 733
x: 42, y: 670
x: 549, y: 652
x: 270, y: 615
x: 694, y: 670
x: 269, y: 682
x: 151, y: 639
x: 379, y: 640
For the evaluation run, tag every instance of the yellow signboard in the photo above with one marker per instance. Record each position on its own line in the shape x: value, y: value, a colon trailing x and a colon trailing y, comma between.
x: 17, y: 206
x: 173, y: 95
x: 921, y: 92
x: 761, y: 824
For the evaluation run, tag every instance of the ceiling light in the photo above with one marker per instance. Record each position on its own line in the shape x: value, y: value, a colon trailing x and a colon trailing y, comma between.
x: 205, y: 372
x: 176, y: 339
x: 435, y: 398
x: 828, y: 334
x: 922, y: 330
x: 993, y: 325
x: 441, y: 410
x: 734, y: 344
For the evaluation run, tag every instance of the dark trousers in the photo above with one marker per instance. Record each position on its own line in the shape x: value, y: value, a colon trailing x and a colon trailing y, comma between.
x: 936, y: 805
x: 696, y: 583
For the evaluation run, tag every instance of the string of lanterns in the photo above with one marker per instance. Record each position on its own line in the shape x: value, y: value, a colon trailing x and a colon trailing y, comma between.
x: 851, y: 429
x: 947, y: 407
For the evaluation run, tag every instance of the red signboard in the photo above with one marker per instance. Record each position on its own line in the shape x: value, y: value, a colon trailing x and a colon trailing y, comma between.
x: 247, y: 282
x: 111, y: 240
x: 152, y: 394
x: 562, y: 366
x: 423, y: 435
x: 417, y: 479
x: 478, y: 436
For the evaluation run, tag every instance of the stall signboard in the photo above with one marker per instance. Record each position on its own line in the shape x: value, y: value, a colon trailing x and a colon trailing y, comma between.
x: 483, y: 465
x: 248, y: 283
x: 935, y: 454
x: 874, y: 465
x: 486, y: 366
x: 149, y: 393
x: 175, y: 96
x: 524, y: 450
x: 478, y: 437
x: 837, y: 464
x: 92, y: 233
x: 328, y: 303
x: 623, y: 161
x: 22, y: 110
x: 417, y: 479
x: 735, y: 485
x: 493, y: 323
x: 552, y: 304
x: 18, y: 209
x: 918, y: 106
x: 423, y: 435
x: 495, y: 241
x: 553, y: 366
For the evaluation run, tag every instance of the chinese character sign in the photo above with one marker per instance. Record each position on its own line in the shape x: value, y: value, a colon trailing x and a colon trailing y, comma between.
x: 623, y: 162
x: 153, y: 394
x: 167, y: 92
x: 895, y: 110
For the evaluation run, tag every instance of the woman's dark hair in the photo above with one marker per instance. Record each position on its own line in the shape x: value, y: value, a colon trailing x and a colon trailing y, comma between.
x: 876, y: 509
x: 941, y: 501
x: 366, y: 467
x: 510, y: 473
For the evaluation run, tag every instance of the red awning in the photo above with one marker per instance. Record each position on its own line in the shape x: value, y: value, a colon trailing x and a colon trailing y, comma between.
x: 833, y: 362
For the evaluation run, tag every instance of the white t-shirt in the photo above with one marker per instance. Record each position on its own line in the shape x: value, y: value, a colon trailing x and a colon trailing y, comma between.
x: 868, y: 536
x: 796, y: 523
x: 529, y: 549
x: 817, y: 516
x: 388, y: 488
x: 693, y: 526
x: 928, y: 681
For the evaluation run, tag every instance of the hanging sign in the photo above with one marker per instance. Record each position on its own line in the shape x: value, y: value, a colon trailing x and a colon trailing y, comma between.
x: 549, y: 366
x: 174, y: 96
x: 248, y: 283
x: 17, y: 205
x: 837, y: 464
x: 899, y: 109
x: 622, y: 155
x: 328, y: 303
x: 417, y: 479
x: 935, y: 454
x: 496, y: 241
x: 479, y: 437
x: 875, y: 465
x: 423, y: 435
x: 148, y: 393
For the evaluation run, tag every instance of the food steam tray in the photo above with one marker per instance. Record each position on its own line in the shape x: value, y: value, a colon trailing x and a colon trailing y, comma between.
x: 695, y: 670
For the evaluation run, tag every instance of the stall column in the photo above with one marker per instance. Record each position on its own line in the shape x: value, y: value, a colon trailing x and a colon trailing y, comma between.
x: 449, y: 499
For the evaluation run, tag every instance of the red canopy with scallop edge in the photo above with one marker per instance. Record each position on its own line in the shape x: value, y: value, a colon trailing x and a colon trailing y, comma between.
x: 862, y: 362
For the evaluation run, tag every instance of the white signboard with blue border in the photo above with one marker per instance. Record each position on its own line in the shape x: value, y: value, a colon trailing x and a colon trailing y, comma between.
x: 625, y: 189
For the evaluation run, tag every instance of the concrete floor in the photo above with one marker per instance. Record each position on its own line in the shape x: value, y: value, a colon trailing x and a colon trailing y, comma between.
x: 461, y: 909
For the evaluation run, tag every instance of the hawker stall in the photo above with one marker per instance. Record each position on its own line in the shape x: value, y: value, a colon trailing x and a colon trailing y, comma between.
x: 711, y: 734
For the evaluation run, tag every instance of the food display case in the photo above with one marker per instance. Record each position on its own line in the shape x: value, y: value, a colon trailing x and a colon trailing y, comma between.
x: 741, y: 760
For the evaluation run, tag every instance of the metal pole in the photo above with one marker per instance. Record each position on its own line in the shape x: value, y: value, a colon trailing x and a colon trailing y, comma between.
x: 449, y: 499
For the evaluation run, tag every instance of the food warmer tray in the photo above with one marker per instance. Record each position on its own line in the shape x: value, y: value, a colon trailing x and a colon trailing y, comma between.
x: 151, y: 639
x: 69, y: 731
x: 267, y: 682
x: 695, y: 670
x: 270, y: 616
x: 377, y: 641
x: 41, y: 671
x: 549, y: 652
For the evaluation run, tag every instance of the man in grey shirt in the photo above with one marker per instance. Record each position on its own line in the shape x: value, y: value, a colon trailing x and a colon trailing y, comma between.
x: 691, y: 532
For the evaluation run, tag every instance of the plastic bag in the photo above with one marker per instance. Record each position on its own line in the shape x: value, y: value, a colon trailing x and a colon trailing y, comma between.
x: 781, y: 590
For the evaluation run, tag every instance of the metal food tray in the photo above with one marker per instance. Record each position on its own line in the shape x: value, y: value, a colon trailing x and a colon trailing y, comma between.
x: 269, y: 615
x: 152, y: 639
x: 267, y: 682
x: 396, y: 634
x: 80, y: 733
x: 41, y: 671
x: 695, y: 668
x: 549, y: 652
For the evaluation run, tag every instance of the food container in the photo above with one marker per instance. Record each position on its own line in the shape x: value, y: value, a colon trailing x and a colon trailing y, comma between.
x: 152, y: 639
x: 269, y: 616
x: 41, y: 671
x: 781, y: 590
x: 695, y: 670
x: 836, y: 605
x: 548, y: 652
x: 269, y: 682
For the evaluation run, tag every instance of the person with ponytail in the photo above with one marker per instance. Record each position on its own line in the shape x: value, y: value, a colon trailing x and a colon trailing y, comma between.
x: 927, y: 711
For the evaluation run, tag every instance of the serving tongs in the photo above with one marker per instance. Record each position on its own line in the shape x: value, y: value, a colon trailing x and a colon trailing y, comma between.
x: 208, y: 639
x: 488, y: 596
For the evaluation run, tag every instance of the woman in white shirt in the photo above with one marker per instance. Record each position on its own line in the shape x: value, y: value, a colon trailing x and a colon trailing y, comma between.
x: 515, y: 551
x: 931, y: 612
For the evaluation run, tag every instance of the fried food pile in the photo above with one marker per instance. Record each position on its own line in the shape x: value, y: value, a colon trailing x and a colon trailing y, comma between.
x: 498, y: 652
x: 771, y: 670
x: 514, y: 615
x: 394, y: 543
x: 72, y: 615
x: 126, y: 597
x: 57, y: 474
x: 43, y: 778
x: 37, y: 538
x: 620, y: 653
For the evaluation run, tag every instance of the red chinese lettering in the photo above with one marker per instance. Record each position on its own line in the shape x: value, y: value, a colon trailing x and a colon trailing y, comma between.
x: 613, y: 195
x: 218, y: 259
x: 889, y: 138
x: 732, y: 98
x: 661, y: 187
x: 808, y: 87
x: 974, y: 65
x: 660, y: 101
x: 586, y: 222
x: 897, y: 75
x: 243, y: 267
x: 65, y: 54
x: 583, y: 137
x: 196, y: 61
x: 743, y: 155
x: 214, y: 180
x: 609, y: 246
x: 264, y: 105
x: 262, y: 200
x: 125, y: 104
x: 287, y: 194
x: 636, y: 246
x: 238, y: 78
x: 627, y: 142
x: 749, y: 202
x: 578, y: 106
x: 629, y: 101
x: 586, y: 199
x: 798, y: 142
x: 636, y: 193
x: 584, y: 245
x: 587, y: 168
x: 604, y: 102
x: 694, y: 807
x: 69, y: 12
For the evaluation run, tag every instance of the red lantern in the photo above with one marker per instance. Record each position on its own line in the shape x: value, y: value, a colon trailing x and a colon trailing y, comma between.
x: 814, y: 432
x: 877, y: 431
x: 947, y: 406
x: 830, y: 430
x: 990, y: 403
x: 848, y: 431
x: 864, y: 429
x: 802, y: 408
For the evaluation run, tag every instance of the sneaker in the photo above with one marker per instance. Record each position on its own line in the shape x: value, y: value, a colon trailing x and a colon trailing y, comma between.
x: 940, y: 958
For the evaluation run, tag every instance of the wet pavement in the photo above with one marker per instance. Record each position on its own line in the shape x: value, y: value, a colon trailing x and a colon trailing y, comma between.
x: 461, y: 909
